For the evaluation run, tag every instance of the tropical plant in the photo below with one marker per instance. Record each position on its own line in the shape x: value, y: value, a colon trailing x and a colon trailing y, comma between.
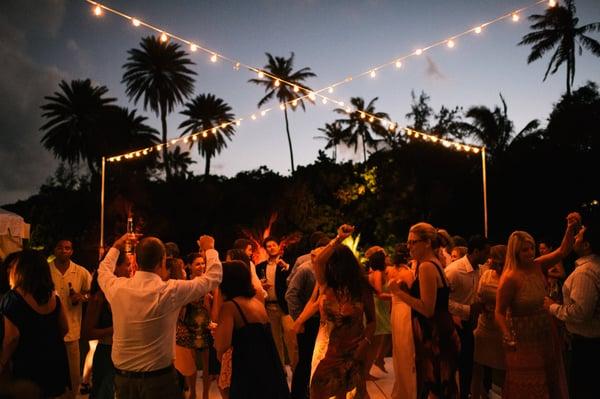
x: 74, y: 115
x: 160, y: 73
x: 334, y: 135
x: 180, y: 163
x: 558, y: 28
x: 494, y: 129
x: 213, y: 116
x: 363, y: 123
x: 125, y: 131
x: 281, y: 69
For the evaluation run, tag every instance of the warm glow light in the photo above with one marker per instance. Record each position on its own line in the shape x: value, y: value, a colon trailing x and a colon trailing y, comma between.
x: 263, y: 113
x: 213, y: 58
x: 312, y: 96
x: 214, y: 130
x: 282, y: 107
x: 434, y: 139
x: 261, y: 74
x: 294, y: 103
x: 324, y: 101
x: 552, y: 3
x: 296, y: 89
x: 185, y: 140
x: 98, y: 11
x: 195, y: 137
x: 362, y: 115
x: 477, y: 29
x: 253, y: 117
x: 476, y: 150
x: 193, y: 47
x: 164, y: 37
x: 277, y: 83
x: 418, y: 51
x: 204, y: 134
x: 373, y: 73
x: 237, y: 123
x: 515, y: 17
x: 450, y: 43
x: 348, y: 109
x: 341, y: 103
x: 135, y: 22
x: 330, y: 90
x: 223, y: 125
x: 371, y: 119
x: 237, y: 66
x: 398, y: 64
x: 173, y: 141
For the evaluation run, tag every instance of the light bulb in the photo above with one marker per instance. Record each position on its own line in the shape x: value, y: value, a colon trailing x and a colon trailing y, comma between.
x: 398, y: 64
x: 371, y: 119
x: 193, y: 47
x: 213, y: 58
x: 324, y: 101
x: 277, y: 83
x: 362, y: 115
x: 515, y: 17
x: 294, y: 103
x: 135, y: 22
x: 312, y: 96
x: 223, y: 125
x: 282, y: 107
x: 253, y: 117
x: 263, y: 113
x: 98, y: 11
x: 348, y: 109
x: 164, y: 37
x: 450, y: 43
x: 552, y: 3
x: 173, y: 141
x: 418, y: 51
x: 373, y: 73
x: 477, y: 29
x: 330, y: 90
x: 237, y: 123
x: 204, y: 134
x: 261, y: 74
x: 296, y: 89
x: 195, y: 137
x: 214, y: 130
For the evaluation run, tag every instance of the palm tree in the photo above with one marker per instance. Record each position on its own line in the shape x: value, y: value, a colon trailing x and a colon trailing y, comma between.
x: 180, y: 163
x: 74, y: 115
x: 360, y: 124
x: 283, y: 69
x: 208, y: 112
x: 159, y: 72
x: 494, y: 129
x: 335, y: 135
x: 126, y: 131
x: 558, y: 28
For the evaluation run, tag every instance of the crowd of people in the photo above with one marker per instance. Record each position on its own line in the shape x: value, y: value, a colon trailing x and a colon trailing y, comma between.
x: 460, y: 318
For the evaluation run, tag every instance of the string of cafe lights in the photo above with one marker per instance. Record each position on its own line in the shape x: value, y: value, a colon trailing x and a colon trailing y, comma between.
x: 311, y: 95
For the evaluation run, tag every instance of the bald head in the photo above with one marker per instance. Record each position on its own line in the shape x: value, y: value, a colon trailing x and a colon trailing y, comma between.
x: 149, y: 253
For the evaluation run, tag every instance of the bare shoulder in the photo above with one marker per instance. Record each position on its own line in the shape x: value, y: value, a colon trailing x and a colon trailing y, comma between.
x: 510, y: 280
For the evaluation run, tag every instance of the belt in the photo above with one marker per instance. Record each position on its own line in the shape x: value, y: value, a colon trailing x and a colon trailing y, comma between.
x: 144, y: 374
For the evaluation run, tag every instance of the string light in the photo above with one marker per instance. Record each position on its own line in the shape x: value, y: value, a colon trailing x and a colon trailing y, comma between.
x: 324, y: 101
x: 330, y: 90
x: 193, y: 48
x: 98, y: 11
x: 296, y: 89
x: 294, y: 103
x: 135, y: 22
x: 164, y: 37
x: 552, y: 3
x: 261, y: 74
x: 373, y: 73
x: 515, y: 17
x: 282, y: 107
x: 478, y: 29
x: 277, y: 83
x: 213, y: 58
x: 253, y: 116
x: 398, y: 64
x: 312, y: 96
x: 205, y: 134
x: 419, y: 51
x: 372, y: 119
x: 450, y: 43
x: 263, y: 113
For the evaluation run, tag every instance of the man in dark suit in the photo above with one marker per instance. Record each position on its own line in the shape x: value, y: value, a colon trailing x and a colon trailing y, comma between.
x: 273, y: 274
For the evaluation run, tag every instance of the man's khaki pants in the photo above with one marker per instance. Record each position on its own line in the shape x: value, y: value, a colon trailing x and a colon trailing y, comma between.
x: 281, y: 328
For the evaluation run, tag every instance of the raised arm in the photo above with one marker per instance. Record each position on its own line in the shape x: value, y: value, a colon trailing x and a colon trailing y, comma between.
x: 554, y: 257
x: 106, y: 275
x: 322, y: 257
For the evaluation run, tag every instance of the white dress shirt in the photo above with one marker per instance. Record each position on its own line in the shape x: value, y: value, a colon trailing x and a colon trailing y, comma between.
x: 581, y: 298
x: 81, y: 281
x: 464, y: 281
x: 145, y: 311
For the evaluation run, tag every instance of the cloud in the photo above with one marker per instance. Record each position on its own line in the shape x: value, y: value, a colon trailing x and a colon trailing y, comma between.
x: 433, y: 71
x: 25, y: 163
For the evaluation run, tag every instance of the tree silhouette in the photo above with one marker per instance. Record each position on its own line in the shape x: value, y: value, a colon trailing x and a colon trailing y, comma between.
x: 334, y: 135
x: 283, y: 69
x: 159, y: 72
x: 207, y: 112
x: 557, y: 28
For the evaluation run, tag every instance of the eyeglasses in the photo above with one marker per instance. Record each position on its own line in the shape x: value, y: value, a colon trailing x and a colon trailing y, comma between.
x: 413, y: 242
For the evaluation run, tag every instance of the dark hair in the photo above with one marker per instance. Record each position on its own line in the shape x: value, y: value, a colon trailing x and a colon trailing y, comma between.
x: 191, y: 257
x: 4, y: 281
x: 236, y: 280
x: 171, y: 250
x: 238, y: 254
x: 377, y: 261
x: 62, y: 238
x: 401, y: 254
x: 477, y: 242
x: 269, y: 238
x: 591, y: 236
x: 459, y: 241
x: 318, y: 239
x: 242, y: 243
x: 32, y: 275
x: 344, y: 275
x: 149, y: 252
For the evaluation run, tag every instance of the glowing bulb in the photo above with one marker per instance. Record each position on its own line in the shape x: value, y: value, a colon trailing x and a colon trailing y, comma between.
x: 348, y: 109
x: 195, y: 137
x: 173, y: 141
x: 330, y: 90
x: 398, y: 64
x: 324, y: 101
x: 135, y: 22
x: 450, y: 43
x: 296, y: 89
x: 193, y: 47
x: 237, y: 66
x: 185, y: 140
x: 164, y: 37
x: 341, y: 104
x: 418, y: 51
x: 253, y: 117
x: 362, y: 115
x: 205, y: 134
x: 213, y: 58
x: 282, y: 107
x: 476, y: 150
x: 312, y: 96
x: 373, y: 73
x: 515, y: 17
x: 371, y: 119
x: 223, y: 125
x: 214, y: 130
x: 277, y: 83
x: 261, y: 74
x: 392, y: 126
x: 237, y: 123
x: 263, y: 113
x: 434, y: 139
x: 408, y: 132
x: 477, y: 29
x: 294, y: 103
x: 552, y: 3
x: 98, y: 11
x: 467, y: 148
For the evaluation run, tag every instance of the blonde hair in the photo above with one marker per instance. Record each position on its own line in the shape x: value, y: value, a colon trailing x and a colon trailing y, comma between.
x: 425, y: 231
x: 516, y: 242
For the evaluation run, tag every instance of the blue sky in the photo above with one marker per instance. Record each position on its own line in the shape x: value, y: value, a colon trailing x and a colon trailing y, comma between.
x: 48, y: 40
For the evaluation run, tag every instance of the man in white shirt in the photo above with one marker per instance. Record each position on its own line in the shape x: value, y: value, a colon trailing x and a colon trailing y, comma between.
x: 463, y: 276
x: 145, y: 310
x: 581, y: 313
x: 72, y: 284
